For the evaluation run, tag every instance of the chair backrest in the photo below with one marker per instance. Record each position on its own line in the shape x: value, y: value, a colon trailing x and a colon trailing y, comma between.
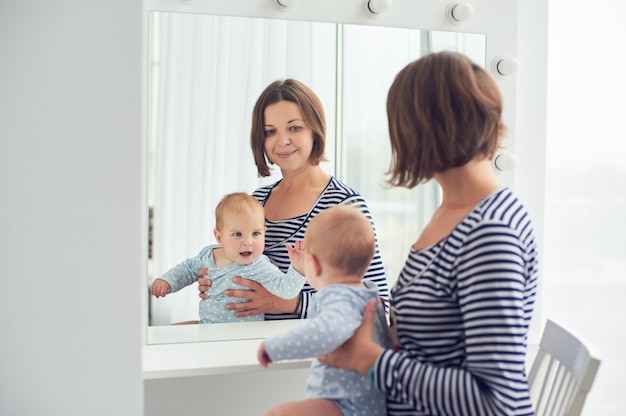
x: 562, y: 373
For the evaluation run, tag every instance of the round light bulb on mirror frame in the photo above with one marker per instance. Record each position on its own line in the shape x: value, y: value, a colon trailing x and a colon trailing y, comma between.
x: 460, y: 12
x: 284, y: 5
x: 505, y: 162
x: 376, y: 7
x: 504, y: 67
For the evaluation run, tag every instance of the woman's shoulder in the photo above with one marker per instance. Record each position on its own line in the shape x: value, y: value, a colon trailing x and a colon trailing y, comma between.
x: 263, y: 192
x: 336, y: 185
x: 338, y: 193
x: 499, y: 216
x: 502, y: 206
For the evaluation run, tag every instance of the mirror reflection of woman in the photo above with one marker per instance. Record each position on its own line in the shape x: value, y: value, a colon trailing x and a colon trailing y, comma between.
x: 289, y: 131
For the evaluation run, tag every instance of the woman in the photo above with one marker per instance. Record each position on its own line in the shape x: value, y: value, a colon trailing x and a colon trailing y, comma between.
x: 289, y: 131
x: 462, y: 305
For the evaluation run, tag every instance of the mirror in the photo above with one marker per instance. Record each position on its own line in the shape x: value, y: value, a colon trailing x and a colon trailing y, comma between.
x: 204, y: 73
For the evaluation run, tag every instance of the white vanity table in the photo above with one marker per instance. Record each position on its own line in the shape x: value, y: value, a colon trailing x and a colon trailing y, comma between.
x: 201, y: 350
x: 190, y: 371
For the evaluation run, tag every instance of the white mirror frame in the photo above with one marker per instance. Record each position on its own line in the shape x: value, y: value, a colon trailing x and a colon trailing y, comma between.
x: 497, y: 19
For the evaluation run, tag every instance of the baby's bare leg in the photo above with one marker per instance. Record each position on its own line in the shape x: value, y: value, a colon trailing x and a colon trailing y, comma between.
x: 309, y: 407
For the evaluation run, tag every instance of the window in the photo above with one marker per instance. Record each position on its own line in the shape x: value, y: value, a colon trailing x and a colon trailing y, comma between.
x: 584, y: 264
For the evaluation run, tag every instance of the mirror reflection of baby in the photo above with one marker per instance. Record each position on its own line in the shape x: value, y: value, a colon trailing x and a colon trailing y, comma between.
x: 339, y: 245
x: 240, y: 234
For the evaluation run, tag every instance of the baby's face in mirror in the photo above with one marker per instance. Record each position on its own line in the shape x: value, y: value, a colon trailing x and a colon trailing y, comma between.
x: 242, y: 236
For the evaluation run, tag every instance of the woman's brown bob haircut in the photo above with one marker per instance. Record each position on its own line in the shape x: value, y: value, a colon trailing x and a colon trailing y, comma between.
x: 443, y: 111
x: 312, y: 111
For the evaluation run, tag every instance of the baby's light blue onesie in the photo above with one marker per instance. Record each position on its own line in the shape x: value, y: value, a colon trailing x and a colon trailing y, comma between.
x: 213, y: 309
x: 337, y: 311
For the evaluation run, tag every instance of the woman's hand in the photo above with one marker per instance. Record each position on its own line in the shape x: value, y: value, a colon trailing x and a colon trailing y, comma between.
x: 204, y: 283
x: 360, y: 352
x: 257, y: 299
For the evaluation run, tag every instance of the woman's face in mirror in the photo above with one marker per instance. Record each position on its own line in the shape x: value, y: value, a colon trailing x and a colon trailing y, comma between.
x: 288, y: 138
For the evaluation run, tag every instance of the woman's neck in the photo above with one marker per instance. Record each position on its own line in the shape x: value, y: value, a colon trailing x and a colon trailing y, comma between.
x: 468, y: 184
x: 308, y: 177
x: 296, y: 194
x: 463, y: 188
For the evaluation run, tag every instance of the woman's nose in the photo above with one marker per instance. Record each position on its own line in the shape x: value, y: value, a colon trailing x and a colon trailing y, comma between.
x: 284, y: 138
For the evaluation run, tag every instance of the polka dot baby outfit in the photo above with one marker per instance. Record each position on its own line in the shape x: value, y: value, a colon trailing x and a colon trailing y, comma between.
x: 213, y: 310
x: 337, y: 313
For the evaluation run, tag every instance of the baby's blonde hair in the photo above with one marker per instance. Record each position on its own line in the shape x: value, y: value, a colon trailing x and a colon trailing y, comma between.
x: 238, y: 203
x: 343, y: 237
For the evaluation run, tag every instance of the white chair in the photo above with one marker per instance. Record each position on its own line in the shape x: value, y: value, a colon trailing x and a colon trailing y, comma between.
x: 562, y: 373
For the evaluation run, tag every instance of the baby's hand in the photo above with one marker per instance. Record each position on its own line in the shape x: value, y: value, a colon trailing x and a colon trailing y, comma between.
x: 160, y: 288
x: 296, y: 255
x: 262, y: 356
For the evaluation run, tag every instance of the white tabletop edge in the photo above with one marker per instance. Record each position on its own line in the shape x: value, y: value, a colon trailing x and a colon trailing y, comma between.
x: 207, y: 358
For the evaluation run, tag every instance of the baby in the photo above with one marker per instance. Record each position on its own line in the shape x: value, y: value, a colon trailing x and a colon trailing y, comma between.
x: 339, y: 245
x: 240, y: 234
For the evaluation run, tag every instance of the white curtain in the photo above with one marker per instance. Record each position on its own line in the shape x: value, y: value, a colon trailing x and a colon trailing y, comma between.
x: 206, y: 73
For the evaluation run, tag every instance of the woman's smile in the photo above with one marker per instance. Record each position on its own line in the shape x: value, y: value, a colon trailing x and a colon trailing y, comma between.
x: 286, y: 155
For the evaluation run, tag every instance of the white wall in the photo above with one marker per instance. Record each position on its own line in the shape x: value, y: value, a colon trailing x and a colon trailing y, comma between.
x: 70, y: 110
x: 531, y: 121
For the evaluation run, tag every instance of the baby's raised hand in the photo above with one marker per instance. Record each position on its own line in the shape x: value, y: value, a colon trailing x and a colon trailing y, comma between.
x: 160, y: 288
x: 296, y: 255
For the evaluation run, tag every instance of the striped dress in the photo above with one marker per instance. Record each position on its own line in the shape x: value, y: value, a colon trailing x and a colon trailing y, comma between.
x: 290, y: 230
x: 462, y: 309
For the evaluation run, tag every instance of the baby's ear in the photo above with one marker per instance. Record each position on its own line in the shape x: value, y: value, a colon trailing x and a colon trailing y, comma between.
x: 315, y: 264
x: 218, y: 236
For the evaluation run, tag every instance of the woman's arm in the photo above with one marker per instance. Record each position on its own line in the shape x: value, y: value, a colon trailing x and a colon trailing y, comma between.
x: 360, y: 352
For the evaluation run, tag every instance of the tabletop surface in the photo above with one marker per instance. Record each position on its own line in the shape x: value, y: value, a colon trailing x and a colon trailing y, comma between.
x: 210, y: 349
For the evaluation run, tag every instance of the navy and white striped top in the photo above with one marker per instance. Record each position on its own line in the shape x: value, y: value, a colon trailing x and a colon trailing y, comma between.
x: 290, y: 230
x: 462, y: 310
